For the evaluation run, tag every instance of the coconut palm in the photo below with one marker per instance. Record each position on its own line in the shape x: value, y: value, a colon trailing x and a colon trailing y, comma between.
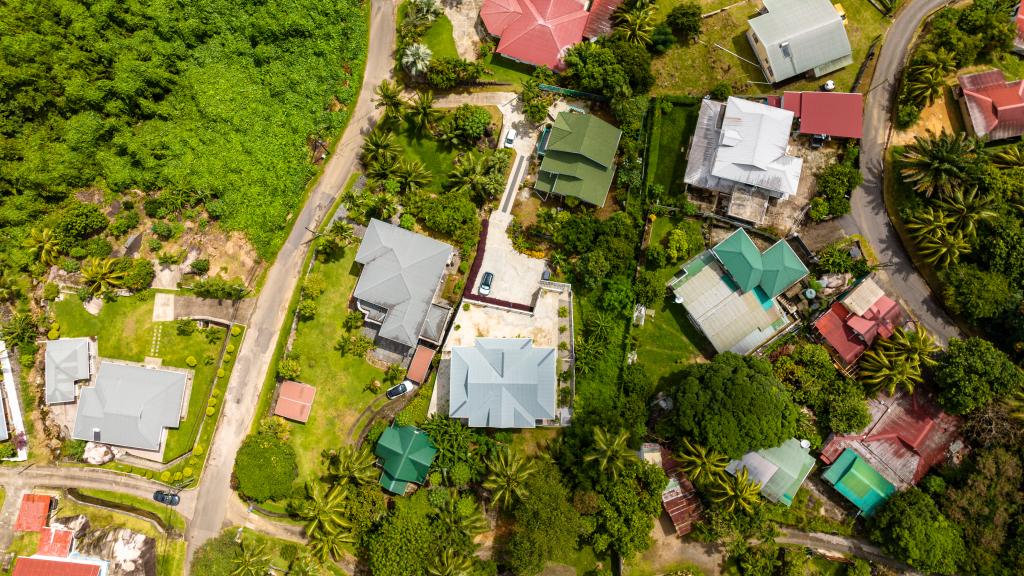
x: 416, y: 59
x: 471, y: 175
x: 389, y: 97
x: 967, y: 207
x: 101, y: 277
x: 380, y: 146
x: 889, y: 372
x: 925, y: 85
x: 382, y: 170
x: 936, y: 165
x: 944, y: 248
x: 43, y: 246
x: 421, y: 113
x: 1009, y: 157
x: 254, y: 559
x: 324, y: 508
x: 328, y: 545
x: 508, y: 474
x: 426, y: 9
x: 20, y: 329
x: 611, y: 453
x: 450, y: 563
x: 353, y: 465
x: 636, y: 25
x: 702, y: 465
x: 737, y: 491
x: 411, y: 175
x: 927, y: 222
x: 338, y: 235
x: 917, y: 346
x: 456, y: 518
x: 940, y: 60
x: 382, y: 205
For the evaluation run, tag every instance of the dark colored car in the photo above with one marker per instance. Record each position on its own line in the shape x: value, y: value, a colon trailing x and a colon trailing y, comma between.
x: 166, y: 498
x: 485, y: 284
x: 396, y: 391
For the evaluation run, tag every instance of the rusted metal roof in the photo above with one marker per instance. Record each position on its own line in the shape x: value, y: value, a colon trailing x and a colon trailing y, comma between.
x: 599, y: 22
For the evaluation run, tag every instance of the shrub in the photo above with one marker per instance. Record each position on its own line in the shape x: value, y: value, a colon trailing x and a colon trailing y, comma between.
x: 265, y: 467
x: 50, y: 291
x: 289, y: 368
x: 313, y: 286
x: 306, y: 309
x: 165, y: 476
x: 210, y: 411
x: 154, y: 207
x: 124, y: 223
x: 185, y: 326
x: 200, y: 267
x: 191, y: 361
x: 907, y: 115
x: 97, y: 247
x: 54, y: 332
x: 236, y: 330
x: 187, y: 472
x: 407, y: 221
x: 563, y: 312
x: 221, y: 373
x: 198, y: 450
x: 220, y: 288
x: 230, y: 348
x: 78, y: 222
x: 721, y: 91
x: 138, y: 273
x: 154, y: 245
x: 685, y: 20
x: 177, y: 476
x: 163, y: 230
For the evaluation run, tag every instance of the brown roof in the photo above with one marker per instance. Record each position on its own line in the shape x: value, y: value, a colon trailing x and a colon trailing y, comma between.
x: 294, y: 401
x: 420, y: 365
x: 599, y: 22
x: 680, y: 498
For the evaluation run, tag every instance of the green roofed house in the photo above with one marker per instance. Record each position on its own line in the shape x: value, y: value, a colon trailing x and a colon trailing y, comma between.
x: 858, y: 482
x: 579, y: 158
x: 406, y: 453
x: 780, y: 470
x: 730, y: 292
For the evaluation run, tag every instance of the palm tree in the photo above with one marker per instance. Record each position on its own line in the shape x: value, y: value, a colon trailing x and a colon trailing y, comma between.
x: 944, y: 248
x: 389, y: 97
x: 324, y: 510
x: 101, y: 277
x: 422, y: 113
x: 354, y: 465
x: 338, y: 236
x: 43, y: 246
x: 939, y: 60
x: 328, y: 545
x: 470, y: 176
x: 889, y: 372
x: 254, y: 559
x: 936, y: 165
x: 928, y: 222
x: 380, y: 146
x: 416, y: 59
x: 382, y: 169
x: 917, y: 346
x: 737, y: 490
x: 925, y: 85
x: 304, y: 565
x: 455, y: 518
x: 450, y: 563
x: 702, y: 465
x: 411, y: 175
x: 426, y: 9
x: 967, y: 207
x: 382, y: 205
x: 8, y: 289
x: 1009, y: 157
x: 636, y: 25
x: 508, y: 474
x: 611, y: 454
x: 600, y: 326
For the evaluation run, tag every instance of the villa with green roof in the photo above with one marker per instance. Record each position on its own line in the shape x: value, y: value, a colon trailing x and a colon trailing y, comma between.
x: 780, y: 470
x: 730, y: 291
x: 579, y: 158
x: 858, y: 482
x: 406, y: 454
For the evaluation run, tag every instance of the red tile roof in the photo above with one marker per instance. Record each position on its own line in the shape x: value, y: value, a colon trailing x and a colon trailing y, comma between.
x: 420, y: 364
x: 995, y: 106
x: 849, y: 334
x: 908, y: 435
x: 49, y: 567
x: 837, y: 114
x: 535, y: 31
x: 55, y: 542
x: 833, y: 328
x: 599, y: 22
x: 34, y: 512
x: 295, y: 401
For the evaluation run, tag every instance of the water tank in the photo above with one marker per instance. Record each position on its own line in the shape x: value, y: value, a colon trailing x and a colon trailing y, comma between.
x: 810, y: 294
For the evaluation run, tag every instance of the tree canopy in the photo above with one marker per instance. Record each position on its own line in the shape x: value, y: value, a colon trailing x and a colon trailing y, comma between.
x: 973, y: 373
x: 265, y: 467
x: 910, y: 527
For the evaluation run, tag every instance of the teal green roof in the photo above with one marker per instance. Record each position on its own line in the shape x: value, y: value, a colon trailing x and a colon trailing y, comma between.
x: 794, y: 464
x: 580, y: 158
x: 858, y: 482
x: 773, y: 271
x: 406, y: 453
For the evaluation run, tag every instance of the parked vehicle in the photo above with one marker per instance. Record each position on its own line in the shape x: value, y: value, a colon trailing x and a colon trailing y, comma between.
x: 485, y: 284
x: 510, y: 137
x: 398, y: 390
x: 166, y: 498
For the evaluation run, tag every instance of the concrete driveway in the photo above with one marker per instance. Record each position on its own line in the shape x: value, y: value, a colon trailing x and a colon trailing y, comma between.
x: 516, y: 276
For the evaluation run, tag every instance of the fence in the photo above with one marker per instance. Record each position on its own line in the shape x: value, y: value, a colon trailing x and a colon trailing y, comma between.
x: 574, y: 93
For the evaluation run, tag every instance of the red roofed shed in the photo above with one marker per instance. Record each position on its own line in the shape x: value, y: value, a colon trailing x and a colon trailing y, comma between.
x: 836, y: 114
x: 993, y: 106
x: 679, y: 499
x: 34, y: 512
x: 51, y: 567
x: 55, y: 542
x: 420, y: 365
x: 295, y: 401
x: 599, y: 23
x: 537, y: 32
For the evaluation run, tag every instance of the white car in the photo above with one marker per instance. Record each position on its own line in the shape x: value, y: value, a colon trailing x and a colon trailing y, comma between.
x: 510, y: 137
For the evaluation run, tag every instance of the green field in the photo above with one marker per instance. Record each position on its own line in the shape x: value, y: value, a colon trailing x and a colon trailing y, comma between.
x: 439, y: 38
x: 505, y: 70
x: 423, y: 147
x: 675, y: 128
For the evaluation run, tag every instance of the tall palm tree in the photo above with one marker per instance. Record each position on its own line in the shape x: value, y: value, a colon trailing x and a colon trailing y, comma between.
x: 353, y: 465
x: 421, y: 113
x: 967, y: 207
x: 470, y: 175
x: 382, y: 205
x: 324, y: 510
x: 636, y: 25
x: 411, y: 175
x: 338, y: 235
x: 944, y: 248
x: 889, y: 372
x: 416, y: 59
x: 101, y: 277
x: 508, y: 474
x: 940, y: 60
x: 450, y: 563
x: 917, y: 346
x: 935, y: 165
x: 382, y: 169
x: 1009, y: 157
x: 254, y: 559
x: 328, y: 545
x: 380, y: 146
x: 389, y: 97
x: 737, y: 491
x: 702, y: 465
x: 43, y: 246
x: 456, y: 518
x: 928, y: 222
x: 925, y: 85
x: 610, y: 453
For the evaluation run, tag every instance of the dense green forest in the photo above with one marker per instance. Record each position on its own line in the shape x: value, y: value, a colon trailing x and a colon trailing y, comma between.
x: 214, y: 99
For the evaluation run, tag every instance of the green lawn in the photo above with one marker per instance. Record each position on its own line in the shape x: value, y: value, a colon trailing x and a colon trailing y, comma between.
x: 676, y: 128
x: 425, y: 148
x: 145, y: 504
x: 340, y: 381
x: 505, y: 70
x: 439, y: 38
x: 23, y: 544
x: 584, y: 560
x: 695, y: 68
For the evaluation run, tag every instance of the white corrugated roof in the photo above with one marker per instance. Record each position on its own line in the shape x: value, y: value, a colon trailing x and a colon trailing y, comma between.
x: 799, y: 35
x: 752, y: 147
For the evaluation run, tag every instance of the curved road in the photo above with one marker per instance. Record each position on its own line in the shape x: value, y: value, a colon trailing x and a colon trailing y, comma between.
x: 868, y: 216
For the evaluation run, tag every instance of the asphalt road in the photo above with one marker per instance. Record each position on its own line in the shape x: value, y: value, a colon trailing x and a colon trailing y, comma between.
x: 868, y: 216
x: 254, y: 357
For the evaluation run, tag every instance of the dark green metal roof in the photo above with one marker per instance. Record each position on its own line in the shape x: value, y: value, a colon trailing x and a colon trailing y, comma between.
x: 406, y: 453
x: 579, y: 160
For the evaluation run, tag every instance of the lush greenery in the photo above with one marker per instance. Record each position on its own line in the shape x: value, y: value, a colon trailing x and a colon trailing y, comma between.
x: 835, y: 183
x: 910, y: 526
x: 265, y: 465
x: 837, y: 402
x: 973, y: 373
x: 253, y: 554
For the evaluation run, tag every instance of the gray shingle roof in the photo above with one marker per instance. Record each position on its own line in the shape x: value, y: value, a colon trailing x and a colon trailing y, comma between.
x: 67, y: 361
x: 814, y: 32
x: 130, y: 406
x: 502, y: 383
x: 401, y: 272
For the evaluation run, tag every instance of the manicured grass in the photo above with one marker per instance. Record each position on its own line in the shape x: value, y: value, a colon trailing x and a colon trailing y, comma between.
x: 340, y: 381
x: 695, y: 68
x: 423, y: 147
x: 676, y: 127
x: 166, y: 513
x: 504, y: 70
x: 439, y: 38
x: 23, y: 544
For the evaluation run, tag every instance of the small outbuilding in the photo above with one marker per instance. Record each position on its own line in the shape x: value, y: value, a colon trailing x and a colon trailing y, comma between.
x: 67, y: 362
x: 34, y: 513
x: 780, y: 470
x: 406, y: 454
x: 795, y: 37
x: 858, y: 482
x: 992, y: 106
x: 833, y: 114
x: 46, y: 566
x: 295, y: 401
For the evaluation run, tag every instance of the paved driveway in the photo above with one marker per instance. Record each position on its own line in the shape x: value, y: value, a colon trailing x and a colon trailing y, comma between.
x: 516, y: 276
